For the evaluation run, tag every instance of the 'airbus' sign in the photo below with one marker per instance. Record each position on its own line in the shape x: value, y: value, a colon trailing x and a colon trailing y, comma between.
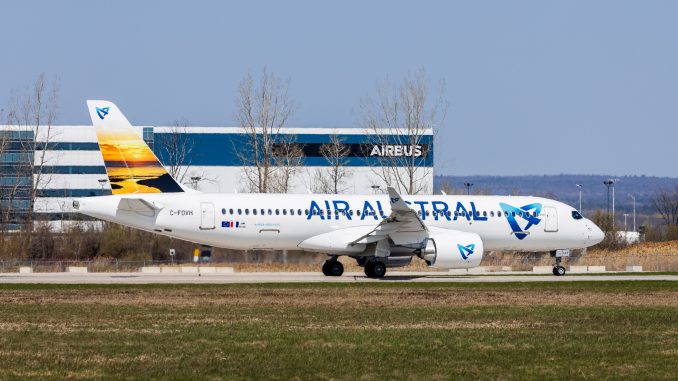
x: 395, y: 150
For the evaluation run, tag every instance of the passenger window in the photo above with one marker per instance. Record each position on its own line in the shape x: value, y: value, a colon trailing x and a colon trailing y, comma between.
x: 277, y: 212
x: 284, y: 212
x: 576, y: 215
x: 428, y: 213
x: 513, y: 214
x: 299, y: 212
x: 492, y: 213
x: 350, y: 212
x: 484, y: 213
x: 291, y: 212
x: 223, y: 211
x: 239, y: 211
x: 254, y: 211
x: 247, y: 212
x: 230, y: 211
x: 306, y: 211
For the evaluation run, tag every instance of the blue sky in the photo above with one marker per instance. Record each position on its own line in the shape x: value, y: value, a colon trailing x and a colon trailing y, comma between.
x: 535, y: 87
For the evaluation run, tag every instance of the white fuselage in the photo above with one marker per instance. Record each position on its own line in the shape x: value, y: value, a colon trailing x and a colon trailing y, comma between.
x: 283, y: 221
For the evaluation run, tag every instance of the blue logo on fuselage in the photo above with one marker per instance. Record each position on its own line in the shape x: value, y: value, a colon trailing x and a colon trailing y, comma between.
x: 528, y: 213
x: 102, y: 112
x: 467, y: 250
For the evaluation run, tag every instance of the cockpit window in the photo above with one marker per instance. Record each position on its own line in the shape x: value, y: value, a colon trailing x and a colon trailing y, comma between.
x: 576, y: 215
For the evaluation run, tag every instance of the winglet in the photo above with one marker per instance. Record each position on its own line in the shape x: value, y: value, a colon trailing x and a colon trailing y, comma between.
x: 397, y: 202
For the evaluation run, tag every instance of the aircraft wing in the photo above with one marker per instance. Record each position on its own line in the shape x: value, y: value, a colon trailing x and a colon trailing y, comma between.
x: 403, y: 226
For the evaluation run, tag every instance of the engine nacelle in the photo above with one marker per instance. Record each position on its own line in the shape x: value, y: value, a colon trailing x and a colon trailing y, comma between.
x: 453, y: 250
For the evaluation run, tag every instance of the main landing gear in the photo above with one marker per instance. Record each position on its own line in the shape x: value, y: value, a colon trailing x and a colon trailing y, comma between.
x: 332, y: 267
x: 373, y: 268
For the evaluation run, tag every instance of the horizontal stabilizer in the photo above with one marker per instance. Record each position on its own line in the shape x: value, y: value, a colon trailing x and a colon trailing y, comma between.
x: 139, y: 206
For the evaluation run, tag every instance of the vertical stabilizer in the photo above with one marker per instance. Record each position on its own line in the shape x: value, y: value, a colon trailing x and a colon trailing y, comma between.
x: 131, y: 165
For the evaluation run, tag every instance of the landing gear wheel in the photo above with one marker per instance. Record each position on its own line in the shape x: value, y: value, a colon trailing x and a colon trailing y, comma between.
x: 333, y: 267
x: 558, y: 270
x: 375, y: 269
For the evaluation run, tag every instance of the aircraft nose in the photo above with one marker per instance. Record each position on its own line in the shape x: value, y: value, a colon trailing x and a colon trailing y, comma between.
x: 595, y: 233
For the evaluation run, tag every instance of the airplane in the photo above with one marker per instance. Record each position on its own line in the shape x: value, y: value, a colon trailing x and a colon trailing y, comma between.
x: 378, y: 231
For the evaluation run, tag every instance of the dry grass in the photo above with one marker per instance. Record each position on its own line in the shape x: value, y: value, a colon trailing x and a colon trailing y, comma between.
x: 344, y: 297
x: 644, y: 248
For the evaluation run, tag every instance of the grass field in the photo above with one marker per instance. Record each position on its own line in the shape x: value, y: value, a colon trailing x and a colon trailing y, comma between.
x: 573, y: 330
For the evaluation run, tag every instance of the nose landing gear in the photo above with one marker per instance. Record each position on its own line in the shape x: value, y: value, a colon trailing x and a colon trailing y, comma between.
x: 558, y: 269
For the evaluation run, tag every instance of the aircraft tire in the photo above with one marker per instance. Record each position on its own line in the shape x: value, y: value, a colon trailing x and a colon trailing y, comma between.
x: 375, y: 269
x: 326, y: 269
x: 368, y: 270
x: 335, y: 268
x: 559, y: 270
x: 332, y: 267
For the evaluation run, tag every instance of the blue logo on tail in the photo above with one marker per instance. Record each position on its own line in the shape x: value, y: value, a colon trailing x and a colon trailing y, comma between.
x: 528, y: 213
x: 102, y: 112
x: 467, y: 250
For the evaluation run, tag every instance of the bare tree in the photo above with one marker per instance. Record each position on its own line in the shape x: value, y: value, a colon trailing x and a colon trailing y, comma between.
x: 263, y: 107
x: 666, y: 204
x: 397, y: 121
x: 34, y: 113
x: 287, y: 158
x: 332, y: 179
x: 176, y: 147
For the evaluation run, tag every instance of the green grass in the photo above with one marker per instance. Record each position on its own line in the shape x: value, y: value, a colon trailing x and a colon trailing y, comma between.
x: 574, y: 330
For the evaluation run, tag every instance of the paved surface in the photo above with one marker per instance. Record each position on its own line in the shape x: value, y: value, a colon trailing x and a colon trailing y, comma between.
x: 142, y: 278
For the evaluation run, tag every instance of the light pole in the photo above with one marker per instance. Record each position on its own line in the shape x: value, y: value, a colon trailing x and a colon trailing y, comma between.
x: 625, y: 229
x: 580, y: 186
x: 468, y: 188
x: 375, y: 188
x: 634, y: 211
x: 610, y: 183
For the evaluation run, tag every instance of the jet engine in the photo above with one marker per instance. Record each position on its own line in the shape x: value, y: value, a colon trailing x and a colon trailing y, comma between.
x: 452, y: 250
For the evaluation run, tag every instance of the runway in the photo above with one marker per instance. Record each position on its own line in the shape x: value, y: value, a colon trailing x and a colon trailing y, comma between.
x: 305, y: 277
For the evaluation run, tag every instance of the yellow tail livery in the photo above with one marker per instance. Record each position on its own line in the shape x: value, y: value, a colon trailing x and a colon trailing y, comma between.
x: 131, y: 165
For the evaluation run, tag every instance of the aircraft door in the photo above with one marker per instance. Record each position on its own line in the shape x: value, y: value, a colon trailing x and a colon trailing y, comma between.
x: 551, y: 219
x: 206, y: 216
